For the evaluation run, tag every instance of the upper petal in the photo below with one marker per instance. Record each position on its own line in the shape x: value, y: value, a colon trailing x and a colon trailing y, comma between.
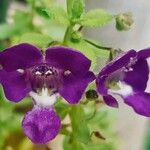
x: 14, y: 85
x: 118, y: 63
x: 41, y: 125
x: 138, y: 77
x: 140, y: 102
x: 74, y: 87
x: 101, y: 84
x: 20, y: 57
x: 68, y: 59
x: 145, y: 53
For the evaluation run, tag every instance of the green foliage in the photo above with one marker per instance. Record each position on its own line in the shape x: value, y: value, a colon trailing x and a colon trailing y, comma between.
x: 18, y: 27
x: 79, y: 125
x: 124, y: 21
x: 57, y: 14
x: 89, y: 109
x: 77, y: 8
x: 70, y: 144
x: 85, y: 119
x: 7, y: 31
x: 62, y: 109
x: 37, y: 39
x: 147, y: 141
x: 96, y: 18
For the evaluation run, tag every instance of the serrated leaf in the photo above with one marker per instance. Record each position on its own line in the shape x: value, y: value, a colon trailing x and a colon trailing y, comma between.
x: 37, y: 39
x: 96, y: 18
x: 79, y: 126
x: 58, y: 14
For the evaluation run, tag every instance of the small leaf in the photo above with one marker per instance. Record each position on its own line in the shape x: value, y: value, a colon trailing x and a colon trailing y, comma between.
x: 89, y: 109
x: 37, y: 39
x: 62, y: 109
x: 69, y: 144
x: 77, y: 8
x: 57, y: 14
x: 79, y: 126
x: 41, y: 12
x: 96, y: 18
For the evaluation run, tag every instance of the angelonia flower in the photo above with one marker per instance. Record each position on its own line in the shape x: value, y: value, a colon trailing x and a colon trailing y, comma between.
x: 59, y: 71
x: 127, y: 76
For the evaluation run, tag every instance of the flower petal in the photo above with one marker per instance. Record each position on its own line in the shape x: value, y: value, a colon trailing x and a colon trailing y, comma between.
x: 110, y: 101
x: 145, y: 53
x: 74, y: 87
x: 41, y: 125
x: 68, y: 59
x: 140, y: 102
x: 101, y: 85
x: 20, y: 57
x: 14, y: 84
x: 118, y: 63
x: 138, y: 77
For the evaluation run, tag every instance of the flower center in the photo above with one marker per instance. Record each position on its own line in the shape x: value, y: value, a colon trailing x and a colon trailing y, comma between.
x: 124, y: 89
x: 44, y: 99
x: 44, y: 76
x: 44, y: 70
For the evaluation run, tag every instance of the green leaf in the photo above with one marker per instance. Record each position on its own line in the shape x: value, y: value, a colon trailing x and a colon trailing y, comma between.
x: 96, y: 18
x: 89, y: 109
x: 77, y: 8
x: 62, y: 109
x: 79, y: 126
x: 70, y: 144
x: 100, y: 146
x: 41, y: 12
x: 57, y: 14
x: 37, y: 39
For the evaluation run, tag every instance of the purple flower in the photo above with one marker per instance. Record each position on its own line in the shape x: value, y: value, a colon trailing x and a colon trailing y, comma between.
x: 60, y: 71
x: 127, y: 76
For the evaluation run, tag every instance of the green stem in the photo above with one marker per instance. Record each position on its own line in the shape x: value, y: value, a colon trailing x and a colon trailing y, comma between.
x: 98, y: 46
x: 68, y: 33
x: 68, y: 6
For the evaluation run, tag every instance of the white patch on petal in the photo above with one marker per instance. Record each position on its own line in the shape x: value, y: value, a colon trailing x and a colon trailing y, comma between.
x: 44, y: 100
x: 20, y: 70
x: 125, y: 89
x: 38, y: 73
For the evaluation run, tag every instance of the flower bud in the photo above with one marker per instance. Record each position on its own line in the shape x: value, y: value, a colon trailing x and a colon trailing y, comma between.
x: 124, y: 21
x: 76, y: 36
x: 91, y: 94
